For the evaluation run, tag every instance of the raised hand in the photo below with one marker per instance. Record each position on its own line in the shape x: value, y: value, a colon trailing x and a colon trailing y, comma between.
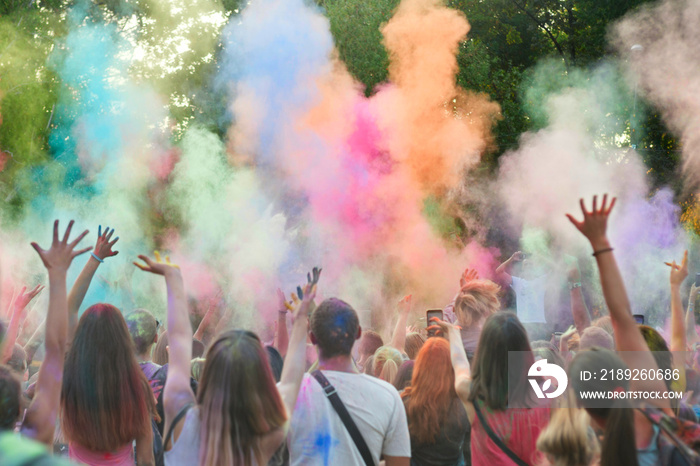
x: 306, y: 305
x: 313, y: 279
x: 467, y: 276
x: 157, y: 267
x: 678, y: 272
x: 405, y: 304
x: 103, y: 247
x: 25, y: 297
x: 443, y: 327
x: 61, y: 253
x: 282, y: 304
x: 518, y: 256
x: 595, y: 223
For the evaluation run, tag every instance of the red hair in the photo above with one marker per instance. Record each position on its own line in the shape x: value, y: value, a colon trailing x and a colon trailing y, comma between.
x: 106, y: 399
x: 432, y: 391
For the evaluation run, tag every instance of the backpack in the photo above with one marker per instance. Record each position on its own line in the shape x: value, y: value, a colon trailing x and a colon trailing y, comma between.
x: 679, y: 440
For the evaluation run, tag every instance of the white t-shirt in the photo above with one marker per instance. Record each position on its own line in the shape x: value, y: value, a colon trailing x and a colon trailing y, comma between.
x: 529, y: 298
x: 317, y: 436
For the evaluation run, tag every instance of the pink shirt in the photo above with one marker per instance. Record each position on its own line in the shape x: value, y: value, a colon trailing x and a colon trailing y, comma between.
x: 122, y: 457
x: 518, y: 428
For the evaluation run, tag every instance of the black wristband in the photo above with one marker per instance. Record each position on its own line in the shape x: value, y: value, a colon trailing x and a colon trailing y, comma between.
x: 595, y: 254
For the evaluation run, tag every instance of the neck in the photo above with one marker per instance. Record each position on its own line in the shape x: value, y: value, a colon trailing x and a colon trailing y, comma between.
x: 143, y: 357
x: 337, y: 363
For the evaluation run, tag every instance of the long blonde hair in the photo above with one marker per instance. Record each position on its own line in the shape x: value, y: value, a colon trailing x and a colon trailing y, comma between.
x: 238, y: 401
x: 568, y: 440
x: 386, y: 363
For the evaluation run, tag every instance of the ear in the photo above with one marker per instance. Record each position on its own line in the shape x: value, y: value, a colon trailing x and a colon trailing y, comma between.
x: 312, y: 337
x: 359, y: 333
x: 167, y: 350
x: 155, y: 339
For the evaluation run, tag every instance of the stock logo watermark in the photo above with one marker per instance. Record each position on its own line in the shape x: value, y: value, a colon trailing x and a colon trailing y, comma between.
x: 541, y: 369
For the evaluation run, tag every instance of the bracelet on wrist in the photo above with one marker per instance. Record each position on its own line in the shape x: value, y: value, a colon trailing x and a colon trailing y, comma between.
x: 573, y: 286
x: 601, y: 251
x: 97, y: 258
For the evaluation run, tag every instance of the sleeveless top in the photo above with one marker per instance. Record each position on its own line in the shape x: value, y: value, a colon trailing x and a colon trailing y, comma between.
x: 185, y: 450
x: 122, y: 457
x: 518, y: 428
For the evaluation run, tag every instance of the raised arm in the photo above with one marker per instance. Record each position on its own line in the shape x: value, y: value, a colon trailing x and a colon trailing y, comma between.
x: 295, y: 362
x: 677, y: 276
x: 579, y: 310
x: 103, y: 250
x: 281, y: 332
x: 679, y: 344
x: 204, y: 333
x: 398, y: 339
x: 628, y: 339
x: 40, y: 419
x: 177, y: 392
x: 691, y: 332
x: 503, y: 270
x: 35, y: 341
x: 18, y: 306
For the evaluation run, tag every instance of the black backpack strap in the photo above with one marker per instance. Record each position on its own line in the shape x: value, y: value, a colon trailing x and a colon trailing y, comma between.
x: 177, y: 419
x: 496, y: 439
x: 342, y: 411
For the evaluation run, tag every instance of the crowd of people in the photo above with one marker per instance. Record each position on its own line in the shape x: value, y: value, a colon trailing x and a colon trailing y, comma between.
x: 114, y: 387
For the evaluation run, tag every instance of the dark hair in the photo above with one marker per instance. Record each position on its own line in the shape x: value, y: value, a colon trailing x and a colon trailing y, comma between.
x: 276, y: 362
x: 106, y: 399
x: 197, y: 348
x: 160, y: 353
x: 334, y: 325
x: 618, y: 414
x: 143, y: 328
x: 10, y: 398
x: 237, y: 399
x: 370, y: 342
x: 414, y: 342
x: 502, y: 333
x: 404, y: 375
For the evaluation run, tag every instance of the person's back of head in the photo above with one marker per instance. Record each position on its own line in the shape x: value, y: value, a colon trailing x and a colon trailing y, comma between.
x: 101, y: 377
x: 605, y: 323
x: 477, y: 300
x: 197, y: 348
x: 196, y: 366
x: 616, y: 416
x: 10, y: 398
x: 160, y: 352
x: 18, y: 360
x: 404, y: 376
x: 502, y: 333
x: 542, y: 349
x: 370, y: 342
x: 663, y: 356
x: 568, y: 440
x: 143, y: 328
x: 238, y: 400
x: 276, y: 362
x: 387, y: 361
x: 414, y: 342
x: 432, y: 391
x: 334, y: 328
x: 596, y: 336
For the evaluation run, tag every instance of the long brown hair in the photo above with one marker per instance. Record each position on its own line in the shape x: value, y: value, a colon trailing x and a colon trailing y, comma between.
x: 105, y: 399
x: 432, y: 391
x: 238, y: 400
x: 618, y: 442
x: 502, y: 333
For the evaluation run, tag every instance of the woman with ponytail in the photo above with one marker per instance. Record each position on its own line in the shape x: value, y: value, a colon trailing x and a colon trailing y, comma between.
x: 387, y: 361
